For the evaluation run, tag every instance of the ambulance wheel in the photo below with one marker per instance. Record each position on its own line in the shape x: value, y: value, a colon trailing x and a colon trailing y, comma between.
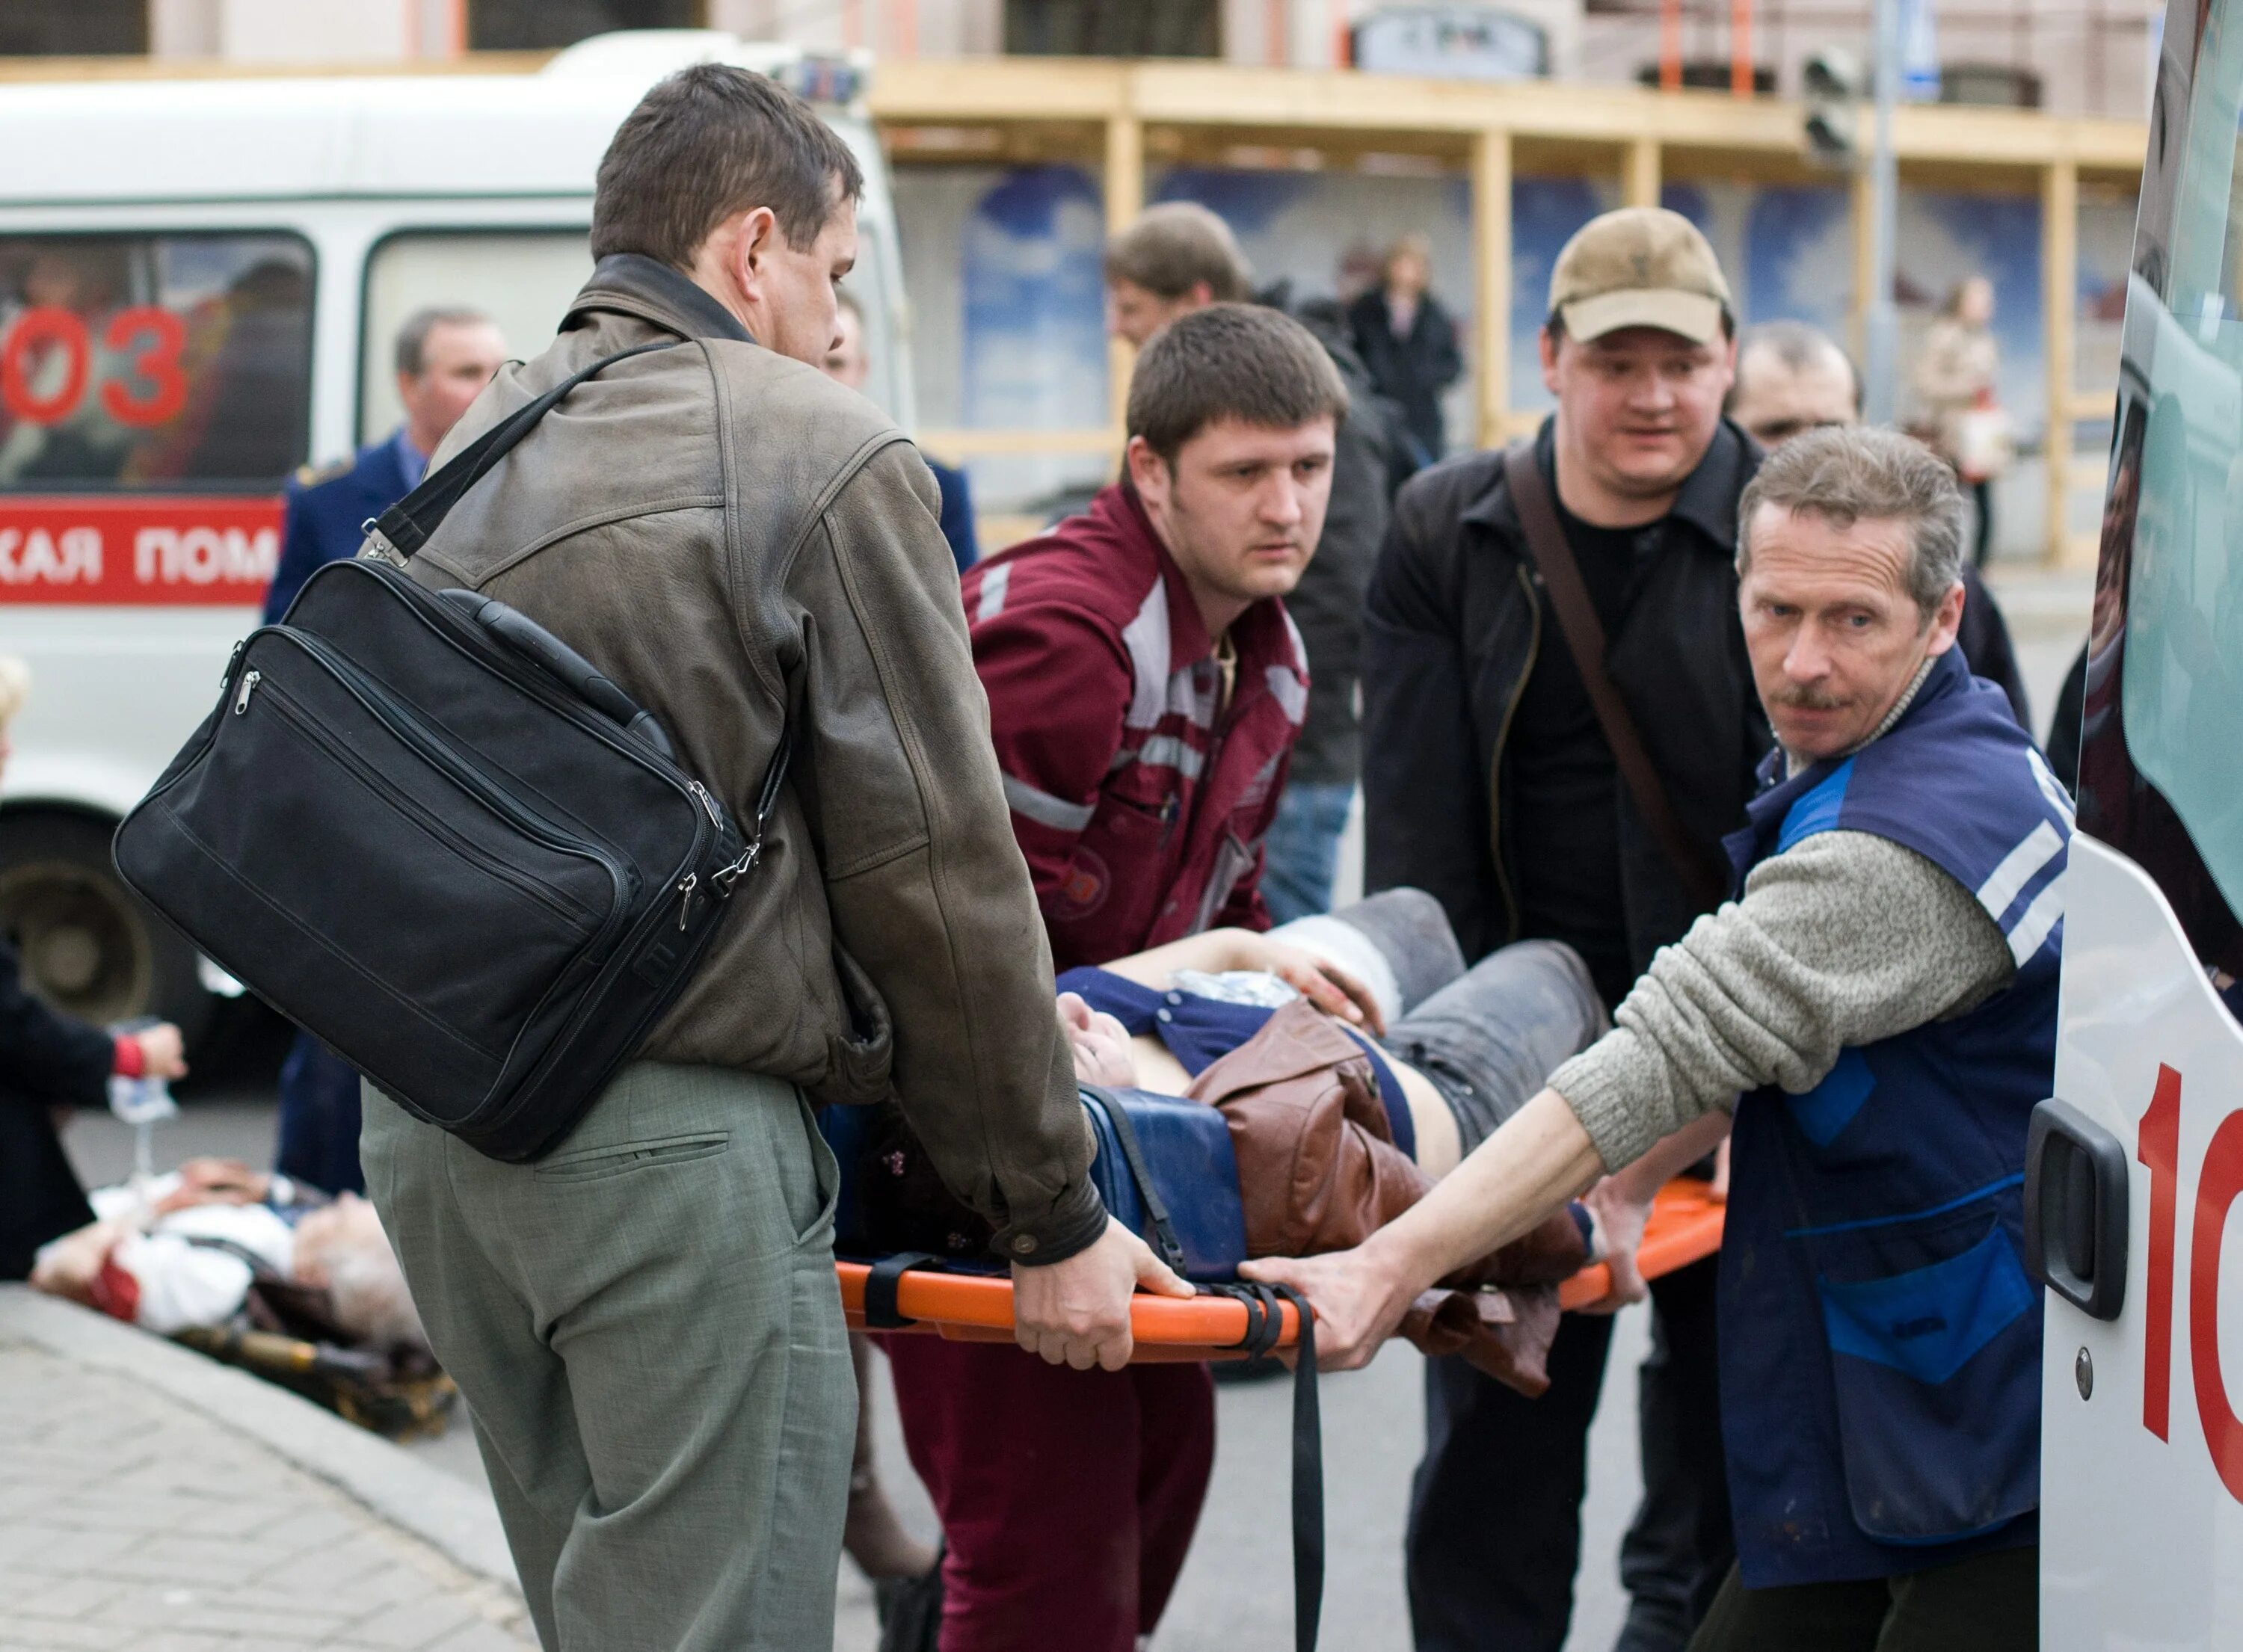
x: 89, y: 945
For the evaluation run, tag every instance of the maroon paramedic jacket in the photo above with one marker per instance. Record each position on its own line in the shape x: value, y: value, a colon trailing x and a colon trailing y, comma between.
x: 1141, y: 817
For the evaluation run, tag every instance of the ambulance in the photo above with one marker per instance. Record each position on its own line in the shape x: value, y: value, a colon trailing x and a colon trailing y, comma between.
x: 201, y: 281
x: 2135, y: 1164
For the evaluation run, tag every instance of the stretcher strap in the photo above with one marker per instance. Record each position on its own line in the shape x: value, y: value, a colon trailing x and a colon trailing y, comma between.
x: 1265, y: 1323
x: 881, y: 1280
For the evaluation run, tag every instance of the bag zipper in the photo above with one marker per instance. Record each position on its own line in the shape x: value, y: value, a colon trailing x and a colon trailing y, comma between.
x: 442, y: 757
x: 284, y: 704
x: 249, y: 681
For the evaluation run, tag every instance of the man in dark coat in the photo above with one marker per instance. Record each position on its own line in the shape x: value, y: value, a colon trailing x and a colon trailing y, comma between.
x: 1178, y: 257
x: 1488, y: 782
x: 1409, y: 342
x: 444, y: 358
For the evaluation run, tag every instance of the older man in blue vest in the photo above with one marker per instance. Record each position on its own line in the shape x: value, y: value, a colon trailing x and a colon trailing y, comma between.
x: 1876, y: 1005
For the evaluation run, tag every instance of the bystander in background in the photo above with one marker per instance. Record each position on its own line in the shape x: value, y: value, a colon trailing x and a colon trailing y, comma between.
x: 1955, y: 385
x: 1408, y: 340
x: 50, y: 1062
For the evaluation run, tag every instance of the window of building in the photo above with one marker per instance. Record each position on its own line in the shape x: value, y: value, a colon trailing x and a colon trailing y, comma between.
x: 538, y: 25
x: 1113, y: 27
x: 73, y: 27
x: 153, y: 362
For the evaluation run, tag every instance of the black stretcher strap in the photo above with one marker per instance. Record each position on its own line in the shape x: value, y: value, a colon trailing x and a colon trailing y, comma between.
x: 881, y: 1281
x: 1265, y: 1323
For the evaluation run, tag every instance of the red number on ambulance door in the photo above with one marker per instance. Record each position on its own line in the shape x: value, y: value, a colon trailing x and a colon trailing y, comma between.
x: 28, y: 349
x: 2217, y: 1187
x: 156, y: 364
x: 2160, y: 1148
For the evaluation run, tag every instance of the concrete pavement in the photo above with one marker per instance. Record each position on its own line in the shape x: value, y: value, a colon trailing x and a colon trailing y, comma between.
x: 154, y: 1501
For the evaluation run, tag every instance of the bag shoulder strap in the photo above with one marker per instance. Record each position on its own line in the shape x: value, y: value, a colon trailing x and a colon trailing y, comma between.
x: 1585, y: 639
x: 406, y: 526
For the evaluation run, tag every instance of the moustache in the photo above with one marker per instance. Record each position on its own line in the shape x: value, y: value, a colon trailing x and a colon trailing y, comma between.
x: 1808, y: 700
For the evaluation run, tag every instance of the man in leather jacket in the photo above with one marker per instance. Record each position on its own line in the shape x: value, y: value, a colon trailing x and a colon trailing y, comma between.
x: 646, y: 1322
x: 1489, y: 783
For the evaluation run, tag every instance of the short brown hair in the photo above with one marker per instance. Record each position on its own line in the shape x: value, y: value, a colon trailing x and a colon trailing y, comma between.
x: 709, y: 142
x: 1848, y: 473
x: 1241, y: 361
x: 1173, y: 247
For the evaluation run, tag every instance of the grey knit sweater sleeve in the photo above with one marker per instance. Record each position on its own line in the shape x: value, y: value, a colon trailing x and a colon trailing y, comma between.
x: 1844, y: 939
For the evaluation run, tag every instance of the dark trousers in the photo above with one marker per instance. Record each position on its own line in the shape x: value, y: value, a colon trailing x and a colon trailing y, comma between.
x: 319, y: 1119
x: 1988, y: 1603
x: 1982, y: 544
x: 1494, y: 1536
x: 40, y: 1199
x: 1067, y: 1498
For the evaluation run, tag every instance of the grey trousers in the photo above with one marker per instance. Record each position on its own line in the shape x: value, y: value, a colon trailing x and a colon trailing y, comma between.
x: 647, y: 1328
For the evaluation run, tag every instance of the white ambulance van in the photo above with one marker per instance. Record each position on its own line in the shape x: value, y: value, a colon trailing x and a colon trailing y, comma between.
x: 201, y: 281
x: 2137, y: 1163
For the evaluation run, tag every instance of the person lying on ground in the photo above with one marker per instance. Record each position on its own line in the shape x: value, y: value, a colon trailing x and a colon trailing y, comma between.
x: 183, y: 1250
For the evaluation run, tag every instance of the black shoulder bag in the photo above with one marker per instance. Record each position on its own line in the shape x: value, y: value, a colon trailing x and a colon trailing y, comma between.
x: 435, y: 837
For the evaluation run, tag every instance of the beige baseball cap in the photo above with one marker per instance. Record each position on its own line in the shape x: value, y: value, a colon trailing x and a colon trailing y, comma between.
x: 1642, y: 266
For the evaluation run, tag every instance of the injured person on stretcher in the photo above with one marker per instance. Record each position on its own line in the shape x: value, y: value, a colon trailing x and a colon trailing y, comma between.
x: 1353, y: 1060
x: 1356, y: 1061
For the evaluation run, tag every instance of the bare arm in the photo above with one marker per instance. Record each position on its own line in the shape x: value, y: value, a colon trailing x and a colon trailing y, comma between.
x: 1213, y: 951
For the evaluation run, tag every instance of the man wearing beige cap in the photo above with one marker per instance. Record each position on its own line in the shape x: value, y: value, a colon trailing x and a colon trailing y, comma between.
x: 1491, y: 781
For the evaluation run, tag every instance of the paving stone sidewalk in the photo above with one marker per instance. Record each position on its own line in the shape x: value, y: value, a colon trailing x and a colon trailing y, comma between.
x: 132, y: 1517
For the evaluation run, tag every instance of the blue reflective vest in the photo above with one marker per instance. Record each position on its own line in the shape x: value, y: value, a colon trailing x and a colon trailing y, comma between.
x: 1880, y: 1338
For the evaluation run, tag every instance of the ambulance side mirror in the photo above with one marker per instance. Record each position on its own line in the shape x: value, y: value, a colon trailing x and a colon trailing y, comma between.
x: 2075, y: 1199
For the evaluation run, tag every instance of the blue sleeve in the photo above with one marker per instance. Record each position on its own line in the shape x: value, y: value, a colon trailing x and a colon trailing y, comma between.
x: 300, y: 554
x: 957, y: 519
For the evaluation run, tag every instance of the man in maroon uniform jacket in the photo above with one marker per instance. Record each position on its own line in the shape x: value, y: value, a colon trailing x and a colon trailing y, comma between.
x: 1145, y: 688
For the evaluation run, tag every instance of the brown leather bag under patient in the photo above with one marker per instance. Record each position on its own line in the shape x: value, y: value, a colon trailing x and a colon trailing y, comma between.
x: 1319, y: 1171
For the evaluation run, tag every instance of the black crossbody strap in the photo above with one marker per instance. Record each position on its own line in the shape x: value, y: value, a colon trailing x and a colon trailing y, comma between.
x: 1704, y: 881
x: 406, y: 525
x: 1170, y: 1249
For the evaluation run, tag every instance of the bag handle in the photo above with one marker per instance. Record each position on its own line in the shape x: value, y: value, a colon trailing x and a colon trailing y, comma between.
x: 1585, y: 639
x: 405, y: 526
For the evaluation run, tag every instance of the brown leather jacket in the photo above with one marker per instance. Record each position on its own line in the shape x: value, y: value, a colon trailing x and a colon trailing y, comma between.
x: 1318, y: 1170
x: 735, y: 539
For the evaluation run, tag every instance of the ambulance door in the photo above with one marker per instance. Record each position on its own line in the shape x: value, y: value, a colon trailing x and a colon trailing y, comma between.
x: 2136, y: 1165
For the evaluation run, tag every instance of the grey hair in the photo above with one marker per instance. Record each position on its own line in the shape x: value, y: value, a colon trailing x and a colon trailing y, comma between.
x: 367, y: 1292
x: 413, y: 336
x: 1798, y: 347
x: 1849, y: 474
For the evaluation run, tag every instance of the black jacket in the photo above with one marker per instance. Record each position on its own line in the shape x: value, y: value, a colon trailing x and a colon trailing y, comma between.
x: 45, y: 1058
x: 1453, y: 626
x: 1327, y: 605
x: 1984, y: 639
x: 1413, y: 370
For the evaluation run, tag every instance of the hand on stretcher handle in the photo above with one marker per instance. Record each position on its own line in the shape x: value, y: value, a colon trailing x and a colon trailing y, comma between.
x: 1686, y: 1226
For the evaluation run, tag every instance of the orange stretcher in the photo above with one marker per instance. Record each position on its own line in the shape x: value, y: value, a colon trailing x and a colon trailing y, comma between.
x: 1685, y: 1226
